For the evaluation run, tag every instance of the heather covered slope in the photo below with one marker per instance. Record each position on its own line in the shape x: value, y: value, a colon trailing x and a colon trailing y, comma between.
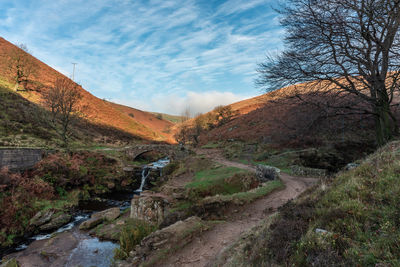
x: 96, y: 110
x: 23, y: 124
x: 148, y: 119
x: 279, y: 117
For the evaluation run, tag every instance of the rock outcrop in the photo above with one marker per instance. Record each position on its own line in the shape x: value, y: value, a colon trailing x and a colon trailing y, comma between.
x: 164, y: 241
x: 149, y: 207
x: 99, y: 217
x: 49, y: 220
x: 267, y: 173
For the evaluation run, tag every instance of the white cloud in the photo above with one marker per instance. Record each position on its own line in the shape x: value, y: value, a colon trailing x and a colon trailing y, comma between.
x: 149, y: 52
x: 197, y: 102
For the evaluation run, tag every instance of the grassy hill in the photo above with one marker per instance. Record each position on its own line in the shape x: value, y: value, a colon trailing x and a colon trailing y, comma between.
x: 351, y: 220
x: 23, y: 124
x: 168, y: 117
x: 96, y: 111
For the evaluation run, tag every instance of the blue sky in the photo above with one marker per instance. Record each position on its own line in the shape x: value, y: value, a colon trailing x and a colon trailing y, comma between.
x: 156, y: 55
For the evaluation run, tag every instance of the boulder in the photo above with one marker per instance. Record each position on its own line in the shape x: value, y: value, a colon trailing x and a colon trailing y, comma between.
x: 351, y: 166
x: 41, y: 218
x: 56, y: 221
x: 99, y: 217
x: 165, y: 241
x: 149, y: 208
x: 267, y: 173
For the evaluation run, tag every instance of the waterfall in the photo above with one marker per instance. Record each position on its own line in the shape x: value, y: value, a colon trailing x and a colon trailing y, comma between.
x: 145, y: 174
x: 158, y: 165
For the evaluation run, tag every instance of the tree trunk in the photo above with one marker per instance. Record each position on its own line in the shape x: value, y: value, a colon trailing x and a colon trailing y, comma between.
x: 385, y: 126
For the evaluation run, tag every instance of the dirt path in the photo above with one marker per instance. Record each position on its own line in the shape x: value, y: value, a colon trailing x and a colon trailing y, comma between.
x: 204, y: 248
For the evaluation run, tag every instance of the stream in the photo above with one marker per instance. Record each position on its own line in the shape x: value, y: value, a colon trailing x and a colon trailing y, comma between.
x: 76, y: 247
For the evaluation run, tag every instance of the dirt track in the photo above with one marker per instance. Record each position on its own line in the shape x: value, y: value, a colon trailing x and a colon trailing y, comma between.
x: 203, y: 249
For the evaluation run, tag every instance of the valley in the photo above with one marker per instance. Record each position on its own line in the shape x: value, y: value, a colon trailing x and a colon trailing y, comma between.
x: 200, y: 133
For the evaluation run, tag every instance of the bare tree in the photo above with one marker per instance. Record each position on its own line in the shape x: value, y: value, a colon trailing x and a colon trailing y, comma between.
x: 186, y: 114
x: 343, y: 48
x: 21, y: 66
x: 223, y: 114
x: 62, y: 100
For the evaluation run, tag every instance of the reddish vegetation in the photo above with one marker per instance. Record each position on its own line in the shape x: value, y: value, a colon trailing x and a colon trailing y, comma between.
x: 142, y: 124
x: 280, y: 118
x: 149, y: 120
x: 17, y: 200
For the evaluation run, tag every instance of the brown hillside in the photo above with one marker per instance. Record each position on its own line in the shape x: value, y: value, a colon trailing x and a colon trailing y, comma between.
x: 96, y: 110
x: 290, y: 121
x: 149, y: 120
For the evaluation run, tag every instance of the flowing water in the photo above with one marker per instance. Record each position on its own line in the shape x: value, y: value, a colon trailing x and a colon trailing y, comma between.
x: 158, y: 165
x: 90, y: 251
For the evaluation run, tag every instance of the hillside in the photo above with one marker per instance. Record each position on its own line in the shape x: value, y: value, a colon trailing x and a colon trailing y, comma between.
x: 148, y: 119
x: 280, y: 118
x: 96, y: 110
x: 24, y: 124
x: 352, y: 220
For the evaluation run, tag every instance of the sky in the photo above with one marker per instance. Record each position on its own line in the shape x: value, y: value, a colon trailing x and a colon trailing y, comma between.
x: 154, y: 55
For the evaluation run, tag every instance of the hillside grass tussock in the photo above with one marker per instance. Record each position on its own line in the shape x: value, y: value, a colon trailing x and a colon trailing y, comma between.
x: 358, y: 214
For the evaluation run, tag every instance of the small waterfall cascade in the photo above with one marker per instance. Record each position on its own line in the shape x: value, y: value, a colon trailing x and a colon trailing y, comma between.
x: 158, y: 165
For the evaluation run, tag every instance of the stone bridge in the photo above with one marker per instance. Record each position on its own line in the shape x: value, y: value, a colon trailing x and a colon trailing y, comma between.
x: 169, y: 150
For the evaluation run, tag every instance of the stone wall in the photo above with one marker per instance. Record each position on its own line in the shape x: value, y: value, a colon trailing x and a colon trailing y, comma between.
x: 309, y: 172
x: 20, y: 158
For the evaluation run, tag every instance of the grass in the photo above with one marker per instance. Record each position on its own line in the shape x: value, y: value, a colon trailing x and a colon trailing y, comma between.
x: 131, y: 235
x: 71, y: 199
x: 211, y: 145
x: 362, y: 214
x: 168, y: 117
x: 359, y: 210
x: 241, y: 198
x: 215, y: 181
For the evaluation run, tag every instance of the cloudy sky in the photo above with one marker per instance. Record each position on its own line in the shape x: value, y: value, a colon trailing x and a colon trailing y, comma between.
x: 156, y: 55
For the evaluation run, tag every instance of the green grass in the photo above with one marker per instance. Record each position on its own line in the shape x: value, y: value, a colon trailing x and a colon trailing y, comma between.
x: 214, y: 181
x: 241, y: 198
x: 71, y: 199
x: 168, y: 117
x: 131, y: 235
x: 211, y: 145
x: 359, y: 209
x: 362, y: 214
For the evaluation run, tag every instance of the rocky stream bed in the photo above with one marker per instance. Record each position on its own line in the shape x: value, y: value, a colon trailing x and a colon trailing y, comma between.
x: 72, y: 242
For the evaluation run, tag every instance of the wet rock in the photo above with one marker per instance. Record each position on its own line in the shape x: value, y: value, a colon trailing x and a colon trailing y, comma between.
x: 56, y: 221
x: 41, y: 218
x: 267, y: 173
x: 149, y: 208
x: 50, y: 252
x: 99, y: 217
x: 111, y: 230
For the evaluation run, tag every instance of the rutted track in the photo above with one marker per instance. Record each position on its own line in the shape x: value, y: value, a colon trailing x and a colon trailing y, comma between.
x: 205, y: 248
